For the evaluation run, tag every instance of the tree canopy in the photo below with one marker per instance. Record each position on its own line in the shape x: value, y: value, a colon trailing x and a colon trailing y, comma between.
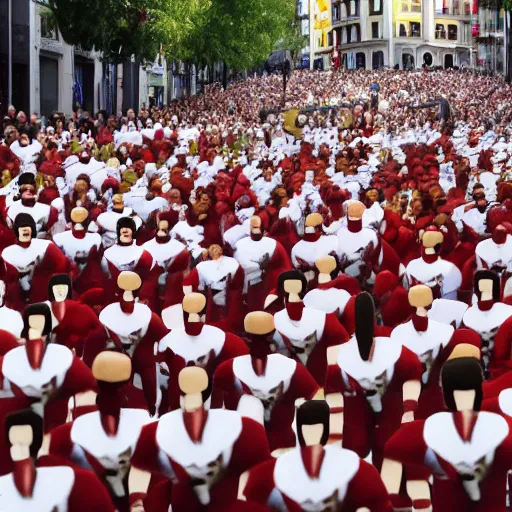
x: 241, y: 33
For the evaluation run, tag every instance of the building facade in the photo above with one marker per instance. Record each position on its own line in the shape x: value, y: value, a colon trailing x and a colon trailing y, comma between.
x: 370, y: 34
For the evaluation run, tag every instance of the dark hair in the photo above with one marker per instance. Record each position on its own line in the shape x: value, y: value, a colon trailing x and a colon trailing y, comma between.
x: 365, y: 323
x: 288, y: 276
x: 59, y: 279
x: 463, y: 373
x: 40, y: 308
x: 487, y: 274
x: 24, y: 220
x: 313, y: 412
x: 126, y: 222
x: 23, y: 418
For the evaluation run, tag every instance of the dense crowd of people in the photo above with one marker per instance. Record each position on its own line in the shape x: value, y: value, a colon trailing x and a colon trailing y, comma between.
x: 261, y: 298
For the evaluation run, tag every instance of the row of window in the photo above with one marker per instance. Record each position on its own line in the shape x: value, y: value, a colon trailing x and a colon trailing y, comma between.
x: 352, y: 33
x: 350, y: 8
x: 442, y: 33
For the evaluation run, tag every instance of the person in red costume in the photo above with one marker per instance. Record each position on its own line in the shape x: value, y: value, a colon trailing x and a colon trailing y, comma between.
x: 221, y: 279
x: 495, y: 253
x: 126, y: 255
x: 133, y: 328
x: 171, y: 257
x: 488, y: 316
x: 313, y: 245
x: 442, y: 276
x: 305, y: 333
x: 358, y: 247
x: 108, y: 221
x: 82, y: 249
x: 50, y: 486
x: 31, y: 262
x: 41, y: 375
x: 44, y: 216
x: 263, y: 260
x: 378, y: 382
x: 391, y: 299
x: 10, y: 319
x: 273, y: 378
x: 317, y: 476
x: 71, y: 320
x: 197, y: 343
x: 469, y: 463
x: 333, y: 292
x: 432, y: 342
x: 203, y: 452
x: 104, y: 440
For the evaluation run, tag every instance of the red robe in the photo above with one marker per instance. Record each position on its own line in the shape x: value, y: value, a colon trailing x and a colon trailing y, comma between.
x: 307, y: 340
x: 208, y: 350
x: 485, y: 459
x: 284, y: 381
x: 373, y: 393
x: 62, y: 376
x: 136, y: 335
x: 71, y: 330
x: 263, y: 262
x: 230, y: 445
x: 347, y: 483
x: 32, y: 268
x: 58, y: 486
x: 85, y: 443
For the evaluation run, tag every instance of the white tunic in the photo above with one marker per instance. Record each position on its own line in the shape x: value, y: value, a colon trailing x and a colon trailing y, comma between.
x: 352, y: 247
x: 214, y: 274
x: 112, y: 452
x: 39, y: 212
x: 427, y: 344
x: 441, y: 272
x: 11, y: 321
x: 338, y: 468
x: 77, y: 250
x: 51, y: 491
x: 328, y: 301
x: 492, y: 254
x: 251, y: 254
x: 311, y: 251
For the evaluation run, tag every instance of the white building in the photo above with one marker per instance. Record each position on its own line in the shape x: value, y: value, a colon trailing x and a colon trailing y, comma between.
x: 409, y: 33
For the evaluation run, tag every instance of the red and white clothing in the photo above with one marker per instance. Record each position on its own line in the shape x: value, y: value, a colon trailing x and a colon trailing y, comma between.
x: 305, y: 253
x: 373, y: 392
x: 11, y: 321
x: 307, y: 340
x: 283, y: 382
x: 133, y: 258
x: 442, y: 276
x: 108, y: 223
x: 469, y: 472
x: 208, y: 350
x: 219, y: 276
x: 191, y: 236
x: 262, y: 261
x: 34, y: 265
x: 353, y: 248
x: 61, y: 376
x: 345, y: 482
x: 165, y: 255
x: 77, y: 250
x: 204, y: 473
x: 486, y: 324
x: 136, y: 334
x: 71, y: 323
x: 433, y: 346
x: 44, y: 215
x: 490, y: 255
x: 84, y: 442
x: 57, y: 489
x: 328, y: 298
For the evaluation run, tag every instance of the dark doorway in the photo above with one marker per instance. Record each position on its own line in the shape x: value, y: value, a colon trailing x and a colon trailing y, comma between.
x: 427, y: 59
x: 360, y: 60
x: 49, y: 85
x: 448, y: 61
x: 407, y: 61
x: 377, y: 60
x: 83, y: 94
